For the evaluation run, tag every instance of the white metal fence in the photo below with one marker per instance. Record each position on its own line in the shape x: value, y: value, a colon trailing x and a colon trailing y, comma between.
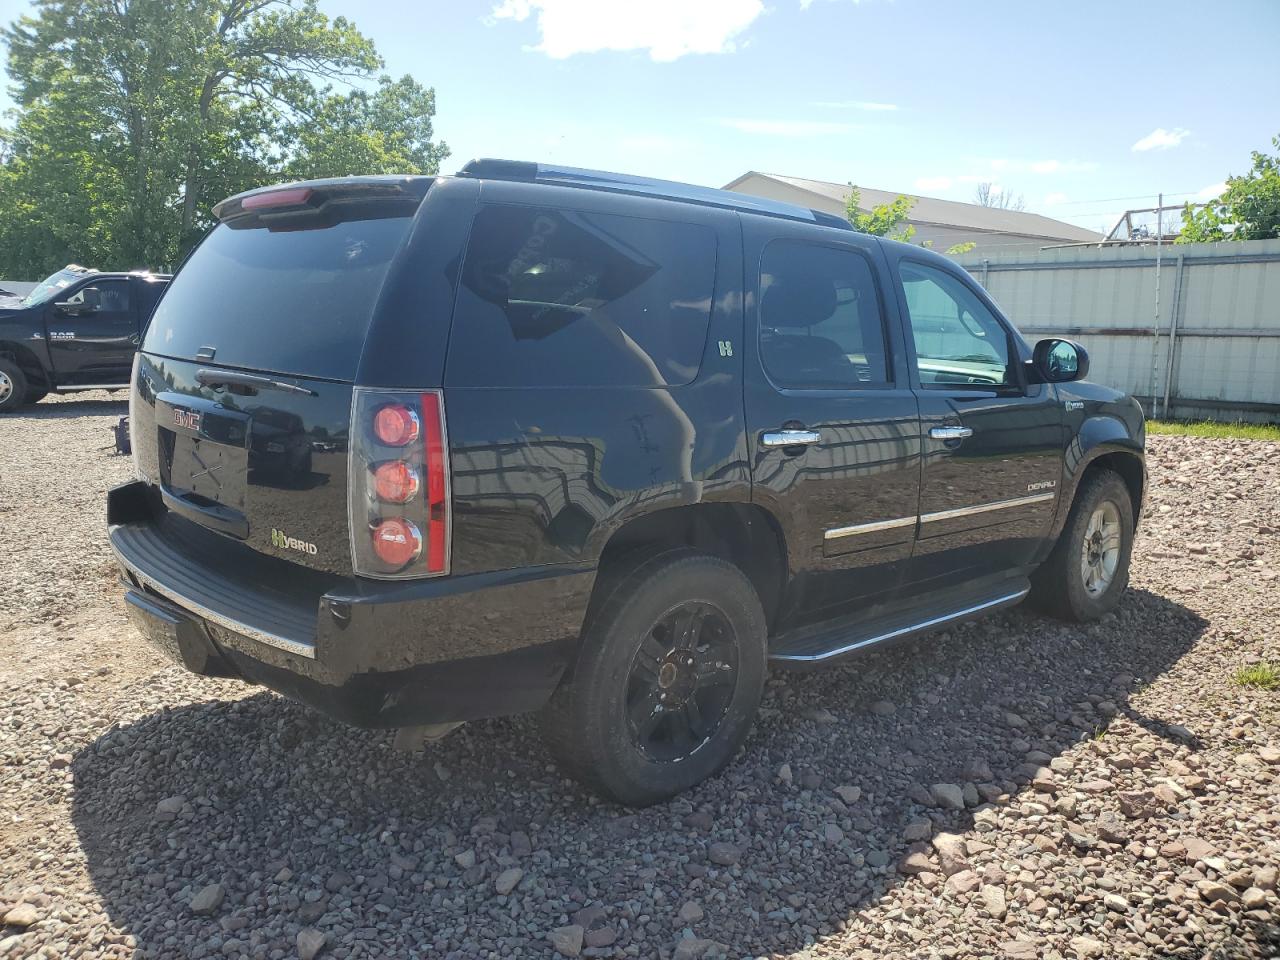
x: 1203, y: 342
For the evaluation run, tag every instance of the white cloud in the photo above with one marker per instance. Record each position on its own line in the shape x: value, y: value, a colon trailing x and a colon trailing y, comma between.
x: 1211, y: 192
x: 933, y: 183
x: 786, y: 128
x: 1055, y: 198
x: 870, y: 105
x: 1161, y: 139
x: 1045, y: 166
x: 666, y: 29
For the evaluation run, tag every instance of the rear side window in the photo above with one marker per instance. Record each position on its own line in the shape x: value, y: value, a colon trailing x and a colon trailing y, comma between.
x: 820, y: 320
x: 288, y: 301
x: 569, y: 298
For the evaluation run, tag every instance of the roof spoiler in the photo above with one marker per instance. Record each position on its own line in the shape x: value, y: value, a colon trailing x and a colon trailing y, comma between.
x: 306, y: 202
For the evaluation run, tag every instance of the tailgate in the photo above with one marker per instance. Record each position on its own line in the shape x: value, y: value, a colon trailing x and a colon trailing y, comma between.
x: 261, y: 459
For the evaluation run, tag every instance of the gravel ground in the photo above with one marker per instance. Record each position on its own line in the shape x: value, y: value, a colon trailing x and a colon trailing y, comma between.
x: 1013, y: 788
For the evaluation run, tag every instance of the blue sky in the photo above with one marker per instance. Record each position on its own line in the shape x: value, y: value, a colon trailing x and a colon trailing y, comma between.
x: 1073, y: 104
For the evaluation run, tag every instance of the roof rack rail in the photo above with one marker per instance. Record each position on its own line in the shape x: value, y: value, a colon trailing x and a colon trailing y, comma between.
x: 527, y: 171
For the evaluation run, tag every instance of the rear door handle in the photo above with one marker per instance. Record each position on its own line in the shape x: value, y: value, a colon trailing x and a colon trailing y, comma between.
x: 950, y: 433
x: 791, y: 438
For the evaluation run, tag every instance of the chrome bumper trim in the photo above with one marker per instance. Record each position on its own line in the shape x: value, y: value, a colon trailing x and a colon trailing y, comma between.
x: 296, y: 647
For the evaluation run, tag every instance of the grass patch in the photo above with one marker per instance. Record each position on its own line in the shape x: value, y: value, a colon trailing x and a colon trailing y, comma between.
x: 1260, y: 676
x: 1208, y: 428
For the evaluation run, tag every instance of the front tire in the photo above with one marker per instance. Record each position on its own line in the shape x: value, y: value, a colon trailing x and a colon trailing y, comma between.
x: 1088, y: 570
x: 667, y: 683
x: 13, y: 386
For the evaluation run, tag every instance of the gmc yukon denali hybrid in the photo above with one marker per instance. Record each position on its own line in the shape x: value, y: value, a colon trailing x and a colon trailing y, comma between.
x: 420, y: 450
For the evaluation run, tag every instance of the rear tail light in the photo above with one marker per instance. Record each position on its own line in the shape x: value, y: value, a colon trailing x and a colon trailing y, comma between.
x: 397, y: 542
x: 399, y: 484
x: 396, y: 424
x: 395, y: 482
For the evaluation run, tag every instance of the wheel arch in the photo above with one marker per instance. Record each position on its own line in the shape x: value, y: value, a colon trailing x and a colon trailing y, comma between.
x: 27, y: 361
x: 1131, y: 469
x: 1102, y: 443
x: 743, y: 534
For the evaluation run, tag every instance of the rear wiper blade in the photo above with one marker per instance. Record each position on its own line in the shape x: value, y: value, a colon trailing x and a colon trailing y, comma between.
x: 222, y: 378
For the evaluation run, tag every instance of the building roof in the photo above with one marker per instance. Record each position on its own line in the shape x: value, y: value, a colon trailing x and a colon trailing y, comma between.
x: 945, y: 213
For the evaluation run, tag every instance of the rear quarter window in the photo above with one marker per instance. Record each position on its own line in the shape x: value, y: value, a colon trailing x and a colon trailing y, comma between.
x: 570, y: 298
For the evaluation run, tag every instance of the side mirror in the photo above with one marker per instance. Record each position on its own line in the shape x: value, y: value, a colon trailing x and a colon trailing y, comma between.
x: 1059, y: 361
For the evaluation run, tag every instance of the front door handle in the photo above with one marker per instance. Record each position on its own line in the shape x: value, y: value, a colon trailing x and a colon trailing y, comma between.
x: 791, y: 438
x: 950, y: 433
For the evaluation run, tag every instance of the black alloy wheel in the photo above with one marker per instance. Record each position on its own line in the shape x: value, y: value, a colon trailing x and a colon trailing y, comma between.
x: 681, y: 681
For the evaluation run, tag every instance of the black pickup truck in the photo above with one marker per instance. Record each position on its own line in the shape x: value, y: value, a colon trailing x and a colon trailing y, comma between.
x: 422, y: 450
x: 77, y: 330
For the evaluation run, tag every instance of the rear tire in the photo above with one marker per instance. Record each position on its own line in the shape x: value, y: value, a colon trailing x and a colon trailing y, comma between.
x: 35, y: 396
x: 1088, y: 570
x: 667, y: 682
x: 13, y: 386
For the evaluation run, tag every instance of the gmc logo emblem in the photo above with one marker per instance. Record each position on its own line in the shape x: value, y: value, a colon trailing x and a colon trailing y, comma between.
x: 186, y: 418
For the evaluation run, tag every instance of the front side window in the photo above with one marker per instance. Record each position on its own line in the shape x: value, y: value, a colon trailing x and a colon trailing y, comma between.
x: 572, y: 298
x: 820, y: 321
x: 105, y: 296
x: 959, y: 342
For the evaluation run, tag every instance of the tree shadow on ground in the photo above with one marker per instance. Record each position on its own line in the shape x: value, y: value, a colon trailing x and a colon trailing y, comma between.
x: 368, y: 837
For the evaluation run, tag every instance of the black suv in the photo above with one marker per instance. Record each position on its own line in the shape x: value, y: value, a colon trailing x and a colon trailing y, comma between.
x: 421, y: 450
x: 77, y: 330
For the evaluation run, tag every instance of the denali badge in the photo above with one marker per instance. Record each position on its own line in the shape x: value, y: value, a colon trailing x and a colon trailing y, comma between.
x: 279, y: 539
x: 186, y: 418
x: 1041, y: 485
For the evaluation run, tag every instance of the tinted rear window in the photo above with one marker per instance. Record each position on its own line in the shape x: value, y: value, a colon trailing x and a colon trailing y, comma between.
x: 288, y: 301
x: 566, y: 298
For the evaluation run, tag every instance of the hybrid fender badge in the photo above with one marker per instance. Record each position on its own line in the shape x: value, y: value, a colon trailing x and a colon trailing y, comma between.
x: 285, y: 542
x: 1041, y: 485
x: 726, y: 348
x: 189, y: 419
x: 1073, y: 404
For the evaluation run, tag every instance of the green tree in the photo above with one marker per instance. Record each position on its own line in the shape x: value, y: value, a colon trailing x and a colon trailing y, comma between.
x: 387, y: 130
x: 884, y: 220
x: 135, y: 116
x: 1249, y: 209
x: 881, y: 221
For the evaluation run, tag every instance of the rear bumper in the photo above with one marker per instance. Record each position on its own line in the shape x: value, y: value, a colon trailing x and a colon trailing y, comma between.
x: 373, y: 654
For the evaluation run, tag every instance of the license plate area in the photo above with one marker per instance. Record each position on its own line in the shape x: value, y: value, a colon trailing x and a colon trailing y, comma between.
x: 204, y: 461
x: 203, y: 471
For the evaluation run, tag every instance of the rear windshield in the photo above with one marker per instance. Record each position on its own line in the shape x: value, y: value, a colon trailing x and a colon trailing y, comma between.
x: 285, y: 301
